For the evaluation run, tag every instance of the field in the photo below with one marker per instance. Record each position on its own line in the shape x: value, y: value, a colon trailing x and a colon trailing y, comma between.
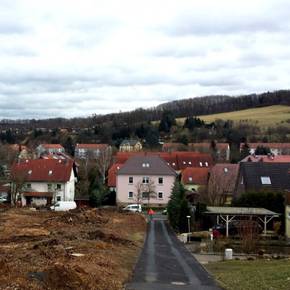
x: 81, y: 249
x: 265, y: 116
x: 250, y: 275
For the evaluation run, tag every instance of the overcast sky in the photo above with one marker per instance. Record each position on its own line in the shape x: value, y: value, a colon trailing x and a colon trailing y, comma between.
x: 77, y: 57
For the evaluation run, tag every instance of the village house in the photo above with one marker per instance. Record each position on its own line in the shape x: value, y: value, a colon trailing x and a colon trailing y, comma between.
x: 130, y: 146
x: 91, y: 151
x: 41, y: 182
x: 144, y: 179
x: 275, y: 148
x: 172, y: 147
x: 49, y: 149
x: 193, y: 178
x: 263, y: 176
x: 267, y: 158
x: 112, y: 176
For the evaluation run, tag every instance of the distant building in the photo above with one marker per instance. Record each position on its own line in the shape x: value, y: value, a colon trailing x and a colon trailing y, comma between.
x: 130, y: 146
x: 141, y: 176
x: 91, y: 151
x: 49, y: 149
x: 41, y: 182
x: 172, y: 147
x: 267, y: 158
x: 221, y: 150
x: 194, y: 177
x: 275, y: 148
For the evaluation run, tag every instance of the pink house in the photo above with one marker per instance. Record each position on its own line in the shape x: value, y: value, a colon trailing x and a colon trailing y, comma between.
x: 144, y: 179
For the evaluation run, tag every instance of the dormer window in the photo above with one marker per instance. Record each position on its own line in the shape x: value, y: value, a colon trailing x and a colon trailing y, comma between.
x: 190, y: 178
x: 265, y: 180
x: 226, y: 170
x: 200, y: 164
x: 184, y: 162
x: 189, y: 162
x: 206, y: 164
x: 173, y: 163
x: 29, y: 172
x: 50, y: 172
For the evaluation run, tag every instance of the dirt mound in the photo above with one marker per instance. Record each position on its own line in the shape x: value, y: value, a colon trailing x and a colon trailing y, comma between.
x: 100, y: 235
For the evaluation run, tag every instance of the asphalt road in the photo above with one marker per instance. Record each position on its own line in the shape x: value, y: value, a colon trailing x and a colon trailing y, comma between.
x: 166, y: 264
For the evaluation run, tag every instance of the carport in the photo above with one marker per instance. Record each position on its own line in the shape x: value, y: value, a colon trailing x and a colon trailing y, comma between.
x: 229, y: 214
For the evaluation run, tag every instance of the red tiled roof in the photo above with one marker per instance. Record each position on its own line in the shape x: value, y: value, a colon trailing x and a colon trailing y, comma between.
x: 18, y: 147
x: 194, y: 175
x: 92, y: 146
x: 112, y: 174
x: 52, y: 146
x: 177, y: 160
x: 38, y: 194
x: 193, y: 159
x: 43, y: 170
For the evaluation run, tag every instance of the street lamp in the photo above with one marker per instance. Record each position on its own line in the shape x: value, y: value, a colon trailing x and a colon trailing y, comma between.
x: 188, y: 222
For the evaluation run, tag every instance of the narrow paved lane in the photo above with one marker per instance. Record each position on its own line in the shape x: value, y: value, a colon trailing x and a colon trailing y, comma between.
x: 166, y: 264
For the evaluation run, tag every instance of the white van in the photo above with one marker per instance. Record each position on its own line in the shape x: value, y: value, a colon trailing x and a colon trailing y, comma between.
x: 133, y: 208
x: 63, y: 206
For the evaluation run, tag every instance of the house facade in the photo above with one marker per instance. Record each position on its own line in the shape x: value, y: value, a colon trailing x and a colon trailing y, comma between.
x: 130, y: 146
x: 144, y: 179
x: 91, y: 151
x: 193, y: 178
x: 42, y: 182
x: 49, y: 149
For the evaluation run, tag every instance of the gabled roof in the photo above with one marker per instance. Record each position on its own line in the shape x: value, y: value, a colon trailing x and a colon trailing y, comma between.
x: 195, y: 175
x: 112, y: 174
x: 45, y: 170
x: 92, y: 146
x: 275, y: 173
x: 177, y: 160
x: 146, y: 165
x: 224, y: 176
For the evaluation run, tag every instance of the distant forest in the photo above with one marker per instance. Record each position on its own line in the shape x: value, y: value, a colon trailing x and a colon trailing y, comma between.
x: 181, y: 108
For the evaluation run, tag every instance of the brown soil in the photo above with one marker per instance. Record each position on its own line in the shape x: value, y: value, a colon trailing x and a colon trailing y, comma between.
x: 80, y: 249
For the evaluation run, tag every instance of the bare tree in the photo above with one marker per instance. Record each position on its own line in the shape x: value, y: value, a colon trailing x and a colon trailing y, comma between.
x: 146, y: 190
x: 104, y: 160
x: 218, y: 189
x: 17, y: 186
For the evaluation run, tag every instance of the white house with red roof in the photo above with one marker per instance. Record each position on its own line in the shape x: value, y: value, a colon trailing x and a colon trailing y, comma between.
x: 41, y: 182
x: 49, y: 149
x: 91, y: 151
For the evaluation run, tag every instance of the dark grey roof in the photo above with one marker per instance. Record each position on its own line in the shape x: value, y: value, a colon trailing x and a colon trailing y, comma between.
x: 129, y: 142
x: 277, y: 172
x: 146, y: 165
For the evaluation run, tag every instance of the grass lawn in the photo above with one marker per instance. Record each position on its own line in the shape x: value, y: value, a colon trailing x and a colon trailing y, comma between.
x: 265, y: 116
x: 252, y: 275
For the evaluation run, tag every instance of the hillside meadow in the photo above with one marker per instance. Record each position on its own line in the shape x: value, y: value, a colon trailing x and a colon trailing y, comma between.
x: 264, y: 117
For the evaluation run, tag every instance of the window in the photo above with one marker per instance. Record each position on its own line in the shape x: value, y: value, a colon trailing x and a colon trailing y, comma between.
x: 160, y: 195
x: 145, y: 180
x: 265, y: 180
x: 200, y: 164
x: 130, y: 194
x: 28, y: 185
x: 190, y: 178
x: 189, y: 162
x: 131, y: 179
x: 206, y: 164
x: 145, y: 195
x: 58, y: 198
x: 58, y: 186
x: 50, y: 172
x: 160, y: 180
x: 49, y: 186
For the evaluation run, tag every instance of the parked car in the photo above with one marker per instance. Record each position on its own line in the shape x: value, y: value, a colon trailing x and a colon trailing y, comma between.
x: 133, y: 208
x: 63, y: 206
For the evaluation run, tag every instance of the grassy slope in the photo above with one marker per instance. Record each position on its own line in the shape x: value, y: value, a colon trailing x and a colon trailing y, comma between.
x: 265, y: 116
x: 249, y: 275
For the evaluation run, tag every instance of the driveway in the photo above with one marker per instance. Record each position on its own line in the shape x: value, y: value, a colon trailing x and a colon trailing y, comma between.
x: 166, y: 264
